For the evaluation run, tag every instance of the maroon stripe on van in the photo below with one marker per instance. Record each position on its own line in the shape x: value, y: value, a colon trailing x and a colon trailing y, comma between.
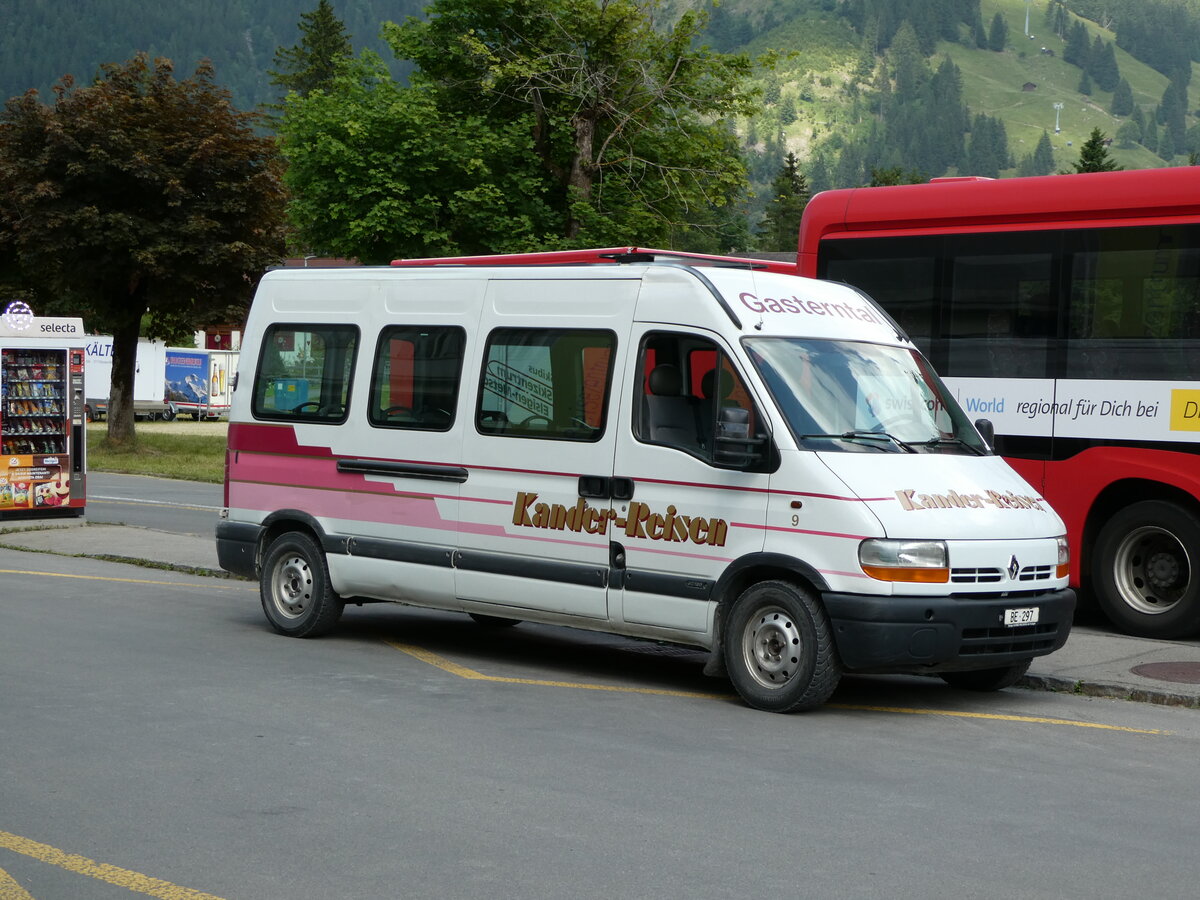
x: 271, y: 439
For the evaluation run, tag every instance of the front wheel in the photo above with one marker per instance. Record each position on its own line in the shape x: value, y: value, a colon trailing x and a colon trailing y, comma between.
x: 779, y: 648
x: 1144, y: 570
x: 296, y: 594
x: 987, y: 680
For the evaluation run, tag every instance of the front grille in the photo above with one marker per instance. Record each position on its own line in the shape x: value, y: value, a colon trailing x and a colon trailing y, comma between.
x: 1021, y: 639
x: 974, y: 576
x: 1036, y: 573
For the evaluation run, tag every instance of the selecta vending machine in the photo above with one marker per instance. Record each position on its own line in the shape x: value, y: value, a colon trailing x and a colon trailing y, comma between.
x: 42, y: 437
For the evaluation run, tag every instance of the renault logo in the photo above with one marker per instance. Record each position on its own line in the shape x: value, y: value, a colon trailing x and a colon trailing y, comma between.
x: 1014, y: 568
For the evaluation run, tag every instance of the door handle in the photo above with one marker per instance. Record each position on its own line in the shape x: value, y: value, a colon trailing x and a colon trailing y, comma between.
x: 594, y: 486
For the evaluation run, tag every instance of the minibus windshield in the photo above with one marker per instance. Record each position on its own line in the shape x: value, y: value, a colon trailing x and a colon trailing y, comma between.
x: 854, y: 396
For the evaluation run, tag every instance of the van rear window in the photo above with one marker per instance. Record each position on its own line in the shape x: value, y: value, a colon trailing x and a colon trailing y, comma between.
x: 304, y: 373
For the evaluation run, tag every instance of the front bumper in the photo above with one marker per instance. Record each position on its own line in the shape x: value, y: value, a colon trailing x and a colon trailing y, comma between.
x: 944, y: 634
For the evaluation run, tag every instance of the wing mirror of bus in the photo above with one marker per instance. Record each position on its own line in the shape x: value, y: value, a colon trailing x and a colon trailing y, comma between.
x: 987, y: 431
x: 733, y: 444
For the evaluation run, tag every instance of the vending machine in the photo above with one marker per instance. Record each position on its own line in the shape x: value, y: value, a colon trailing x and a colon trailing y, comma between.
x: 42, y: 436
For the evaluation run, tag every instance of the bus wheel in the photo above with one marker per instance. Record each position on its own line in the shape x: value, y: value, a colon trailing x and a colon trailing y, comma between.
x: 1144, y: 570
x: 294, y: 586
x: 779, y: 648
x: 986, y: 680
x: 494, y: 621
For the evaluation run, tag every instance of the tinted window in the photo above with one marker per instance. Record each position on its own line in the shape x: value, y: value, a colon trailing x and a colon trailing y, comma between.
x: 304, y: 372
x: 546, y: 383
x: 416, y: 375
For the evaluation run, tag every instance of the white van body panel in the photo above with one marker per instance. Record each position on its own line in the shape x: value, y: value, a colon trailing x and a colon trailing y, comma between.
x: 505, y: 523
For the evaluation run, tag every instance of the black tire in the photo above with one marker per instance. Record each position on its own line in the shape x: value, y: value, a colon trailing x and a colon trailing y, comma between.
x: 779, y: 650
x: 987, y: 680
x: 494, y: 621
x: 168, y: 414
x: 294, y: 587
x: 1144, y: 570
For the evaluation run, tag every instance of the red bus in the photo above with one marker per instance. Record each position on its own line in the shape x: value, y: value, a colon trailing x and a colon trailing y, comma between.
x: 1065, y: 310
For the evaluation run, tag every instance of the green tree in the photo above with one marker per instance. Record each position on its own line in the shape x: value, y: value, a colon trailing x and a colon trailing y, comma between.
x: 137, y: 194
x: 311, y: 64
x: 1040, y: 161
x: 998, y: 33
x: 1093, y: 155
x: 1077, y: 49
x: 1122, y: 101
x: 624, y: 128
x: 780, y: 227
x: 1085, y: 84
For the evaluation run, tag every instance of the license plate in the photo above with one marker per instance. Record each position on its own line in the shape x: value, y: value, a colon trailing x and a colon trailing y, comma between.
x: 1025, y: 616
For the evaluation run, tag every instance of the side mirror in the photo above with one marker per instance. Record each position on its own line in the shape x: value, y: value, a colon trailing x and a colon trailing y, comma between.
x: 733, y: 444
x: 987, y: 431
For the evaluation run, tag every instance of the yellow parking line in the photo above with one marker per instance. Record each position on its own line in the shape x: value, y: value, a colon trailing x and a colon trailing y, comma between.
x: 1033, y: 720
x: 453, y: 668
x: 446, y: 665
x: 219, y: 587
x: 10, y: 890
x: 81, y: 865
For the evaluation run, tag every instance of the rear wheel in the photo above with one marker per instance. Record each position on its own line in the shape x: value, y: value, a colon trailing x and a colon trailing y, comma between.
x: 1144, y: 570
x: 779, y: 648
x: 294, y: 587
x: 986, y: 680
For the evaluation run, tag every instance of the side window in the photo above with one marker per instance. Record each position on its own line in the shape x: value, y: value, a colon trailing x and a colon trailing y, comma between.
x: 304, y: 373
x: 546, y: 383
x: 414, y: 383
x: 689, y: 395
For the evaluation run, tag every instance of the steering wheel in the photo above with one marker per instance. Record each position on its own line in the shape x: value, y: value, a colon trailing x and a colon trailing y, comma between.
x: 535, y: 419
x: 315, y: 406
x: 397, y: 411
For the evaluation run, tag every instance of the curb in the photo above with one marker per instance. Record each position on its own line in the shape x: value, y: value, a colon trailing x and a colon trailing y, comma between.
x: 1108, y: 690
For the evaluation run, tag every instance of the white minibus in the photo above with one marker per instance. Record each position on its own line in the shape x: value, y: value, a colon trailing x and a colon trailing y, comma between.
x: 696, y: 450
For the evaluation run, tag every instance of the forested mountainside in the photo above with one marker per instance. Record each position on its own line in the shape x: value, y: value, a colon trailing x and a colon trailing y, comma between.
x: 916, y: 88
x: 42, y: 40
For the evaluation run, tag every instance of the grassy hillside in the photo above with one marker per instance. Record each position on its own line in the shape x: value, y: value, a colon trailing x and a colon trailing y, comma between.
x: 820, y: 82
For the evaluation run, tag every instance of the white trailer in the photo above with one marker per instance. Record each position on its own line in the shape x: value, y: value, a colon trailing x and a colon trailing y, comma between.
x: 149, y: 380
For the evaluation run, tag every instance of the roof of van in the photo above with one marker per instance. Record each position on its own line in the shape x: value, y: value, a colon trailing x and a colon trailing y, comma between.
x: 604, y: 256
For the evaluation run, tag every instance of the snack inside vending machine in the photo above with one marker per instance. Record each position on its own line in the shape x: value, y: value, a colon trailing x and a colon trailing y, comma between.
x: 42, y: 437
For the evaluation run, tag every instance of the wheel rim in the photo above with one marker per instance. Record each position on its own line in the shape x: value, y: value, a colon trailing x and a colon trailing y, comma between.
x: 1151, y: 570
x: 292, y: 586
x: 771, y: 647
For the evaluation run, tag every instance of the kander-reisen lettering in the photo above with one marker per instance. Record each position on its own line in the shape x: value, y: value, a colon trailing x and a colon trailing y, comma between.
x: 911, y: 500
x: 640, y: 521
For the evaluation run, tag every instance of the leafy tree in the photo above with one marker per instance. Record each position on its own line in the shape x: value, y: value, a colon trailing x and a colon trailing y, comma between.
x: 1150, y: 135
x: 1093, y: 155
x: 987, y: 152
x: 1076, y: 51
x: 1128, y: 135
x: 893, y: 176
x: 998, y: 34
x: 1041, y: 161
x: 1122, y: 101
x: 780, y: 228
x: 137, y: 194
x: 628, y: 123
x: 311, y: 64
x: 1102, y: 65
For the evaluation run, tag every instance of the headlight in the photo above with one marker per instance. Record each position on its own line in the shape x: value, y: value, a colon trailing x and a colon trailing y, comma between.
x: 918, y: 561
x: 1064, y: 558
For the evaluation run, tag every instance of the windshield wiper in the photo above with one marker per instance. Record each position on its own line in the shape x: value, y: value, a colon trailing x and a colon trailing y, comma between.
x: 957, y: 442
x: 864, y: 436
